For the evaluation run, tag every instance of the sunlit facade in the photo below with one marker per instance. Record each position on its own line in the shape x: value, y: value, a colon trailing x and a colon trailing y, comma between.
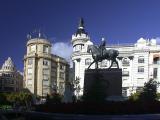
x: 44, y: 73
x: 139, y: 62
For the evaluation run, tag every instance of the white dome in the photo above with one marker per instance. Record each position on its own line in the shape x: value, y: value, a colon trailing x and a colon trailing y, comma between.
x: 141, y: 41
x: 8, y: 65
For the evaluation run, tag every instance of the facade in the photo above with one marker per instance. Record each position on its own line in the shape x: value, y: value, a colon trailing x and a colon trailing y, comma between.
x: 44, y: 73
x: 11, y: 80
x: 139, y: 62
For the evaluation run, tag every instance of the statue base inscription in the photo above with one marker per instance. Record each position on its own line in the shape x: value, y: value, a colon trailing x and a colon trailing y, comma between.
x: 105, y: 81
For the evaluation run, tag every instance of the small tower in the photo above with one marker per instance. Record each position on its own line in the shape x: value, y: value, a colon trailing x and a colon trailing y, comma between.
x: 80, y: 38
x: 80, y: 41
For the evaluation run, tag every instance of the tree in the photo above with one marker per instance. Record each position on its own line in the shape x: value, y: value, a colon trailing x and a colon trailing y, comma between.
x: 11, y: 97
x: 134, y: 96
x: 149, y: 92
x: 3, y: 98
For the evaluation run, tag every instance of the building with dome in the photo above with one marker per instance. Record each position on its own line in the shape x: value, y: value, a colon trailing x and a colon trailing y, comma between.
x: 11, y: 80
x: 139, y: 62
x: 44, y: 73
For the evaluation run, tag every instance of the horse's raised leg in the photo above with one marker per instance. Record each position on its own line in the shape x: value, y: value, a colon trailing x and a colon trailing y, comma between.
x: 90, y: 65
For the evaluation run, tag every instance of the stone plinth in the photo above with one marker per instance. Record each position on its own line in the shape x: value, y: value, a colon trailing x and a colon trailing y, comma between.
x: 110, y: 78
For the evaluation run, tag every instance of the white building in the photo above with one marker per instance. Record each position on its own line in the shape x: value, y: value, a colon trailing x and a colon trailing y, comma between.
x: 139, y: 61
x: 11, y: 80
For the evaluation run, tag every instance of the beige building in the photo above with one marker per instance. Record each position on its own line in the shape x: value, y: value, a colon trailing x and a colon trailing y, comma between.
x: 11, y: 80
x: 44, y: 72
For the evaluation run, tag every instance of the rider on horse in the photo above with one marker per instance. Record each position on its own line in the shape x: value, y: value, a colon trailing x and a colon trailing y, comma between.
x: 102, y: 47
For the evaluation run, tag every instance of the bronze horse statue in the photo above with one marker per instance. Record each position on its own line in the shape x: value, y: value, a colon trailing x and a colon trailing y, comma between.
x: 110, y: 54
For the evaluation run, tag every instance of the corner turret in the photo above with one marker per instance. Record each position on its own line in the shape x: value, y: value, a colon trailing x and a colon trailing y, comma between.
x: 80, y: 38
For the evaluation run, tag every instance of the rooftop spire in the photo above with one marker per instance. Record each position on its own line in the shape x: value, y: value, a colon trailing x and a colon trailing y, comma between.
x: 81, y: 29
x: 81, y: 23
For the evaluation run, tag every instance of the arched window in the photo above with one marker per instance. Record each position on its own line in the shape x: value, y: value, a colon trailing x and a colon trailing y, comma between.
x: 88, y: 61
x: 125, y: 62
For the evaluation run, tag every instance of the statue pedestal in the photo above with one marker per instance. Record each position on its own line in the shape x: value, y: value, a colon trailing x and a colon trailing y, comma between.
x: 110, y: 79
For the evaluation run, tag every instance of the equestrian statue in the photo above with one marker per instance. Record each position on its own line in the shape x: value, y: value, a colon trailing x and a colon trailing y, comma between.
x: 100, y: 53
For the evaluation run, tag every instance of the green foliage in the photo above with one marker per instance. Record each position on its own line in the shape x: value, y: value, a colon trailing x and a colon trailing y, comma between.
x: 16, y: 97
x: 149, y: 92
x: 3, y: 98
x: 134, y: 97
x: 158, y: 96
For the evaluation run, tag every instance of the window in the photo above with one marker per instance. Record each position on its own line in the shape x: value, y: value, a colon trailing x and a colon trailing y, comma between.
x: 45, y: 49
x: 45, y: 91
x: 11, y: 81
x: 61, y: 67
x: 45, y: 71
x: 155, y: 72
x: 29, y: 71
x: 45, y: 62
x: 88, y: 61
x: 33, y: 48
x: 141, y: 69
x: 30, y: 61
x: 124, y: 92
x: 29, y: 81
x: 125, y: 62
x: 139, y: 89
x: 45, y: 76
x: 54, y: 73
x: 155, y: 60
x: 141, y: 59
x: 78, y: 47
x: 124, y: 79
x: 45, y: 82
x: 61, y: 75
x: 61, y: 85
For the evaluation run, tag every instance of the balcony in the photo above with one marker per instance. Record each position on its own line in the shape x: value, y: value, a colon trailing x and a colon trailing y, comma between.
x: 125, y: 73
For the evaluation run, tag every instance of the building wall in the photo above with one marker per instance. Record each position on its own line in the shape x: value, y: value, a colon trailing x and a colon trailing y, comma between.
x: 11, y: 80
x: 44, y: 72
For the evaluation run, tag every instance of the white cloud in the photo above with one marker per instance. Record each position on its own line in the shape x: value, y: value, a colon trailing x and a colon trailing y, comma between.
x: 62, y: 49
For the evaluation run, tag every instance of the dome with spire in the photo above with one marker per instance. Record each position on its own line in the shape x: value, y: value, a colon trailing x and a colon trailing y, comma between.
x: 8, y: 65
x: 81, y: 29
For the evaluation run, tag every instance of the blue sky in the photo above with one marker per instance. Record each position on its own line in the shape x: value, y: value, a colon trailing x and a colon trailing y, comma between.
x: 119, y: 21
